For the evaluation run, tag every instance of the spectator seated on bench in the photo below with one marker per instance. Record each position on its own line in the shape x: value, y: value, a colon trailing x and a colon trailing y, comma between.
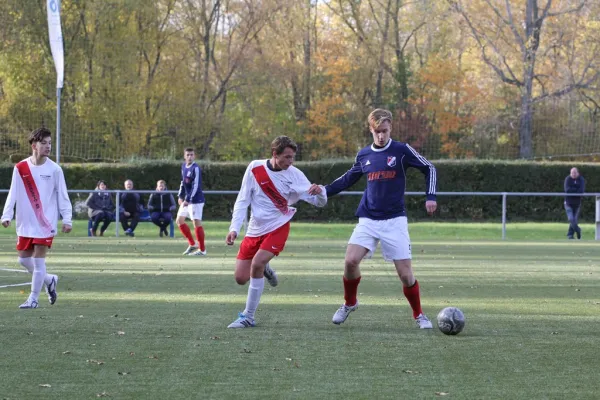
x: 130, y: 207
x: 100, y: 209
x: 144, y: 217
x: 161, y: 206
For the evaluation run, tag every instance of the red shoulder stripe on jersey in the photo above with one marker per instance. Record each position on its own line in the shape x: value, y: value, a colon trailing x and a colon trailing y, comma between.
x: 33, y: 194
x: 269, y: 188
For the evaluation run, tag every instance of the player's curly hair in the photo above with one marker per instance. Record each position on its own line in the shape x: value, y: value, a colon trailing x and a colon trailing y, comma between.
x: 280, y: 143
x: 39, y: 134
x: 378, y: 116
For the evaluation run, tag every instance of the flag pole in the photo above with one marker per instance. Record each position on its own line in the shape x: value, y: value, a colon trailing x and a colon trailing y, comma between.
x: 57, y: 48
x: 58, y: 92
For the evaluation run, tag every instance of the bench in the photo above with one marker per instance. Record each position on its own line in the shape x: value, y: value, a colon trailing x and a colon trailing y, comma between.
x: 144, y: 217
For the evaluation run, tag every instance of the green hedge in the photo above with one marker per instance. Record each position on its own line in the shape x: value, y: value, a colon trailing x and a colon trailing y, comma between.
x: 453, y: 176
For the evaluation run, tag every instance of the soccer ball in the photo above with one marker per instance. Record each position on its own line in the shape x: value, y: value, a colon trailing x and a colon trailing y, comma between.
x: 451, y: 321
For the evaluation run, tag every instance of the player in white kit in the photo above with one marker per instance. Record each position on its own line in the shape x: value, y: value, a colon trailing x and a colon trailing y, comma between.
x: 39, y: 191
x: 269, y: 187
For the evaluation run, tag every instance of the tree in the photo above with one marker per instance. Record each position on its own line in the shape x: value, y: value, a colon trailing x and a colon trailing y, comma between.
x: 510, y: 41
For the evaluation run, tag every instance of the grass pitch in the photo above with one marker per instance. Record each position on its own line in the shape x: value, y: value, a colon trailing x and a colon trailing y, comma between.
x: 135, y: 320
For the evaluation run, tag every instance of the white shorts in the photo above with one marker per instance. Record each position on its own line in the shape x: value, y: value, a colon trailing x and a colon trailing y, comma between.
x: 191, y: 211
x: 392, y: 233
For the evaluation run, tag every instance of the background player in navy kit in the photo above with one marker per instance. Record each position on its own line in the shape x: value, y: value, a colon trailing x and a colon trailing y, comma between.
x: 191, y: 203
x: 381, y: 213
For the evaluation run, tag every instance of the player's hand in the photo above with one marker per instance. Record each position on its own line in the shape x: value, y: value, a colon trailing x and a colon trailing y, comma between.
x: 314, y: 189
x: 431, y: 206
x: 6, y: 224
x: 179, y: 201
x: 230, y: 239
x: 125, y: 213
x: 185, y: 203
x: 67, y: 228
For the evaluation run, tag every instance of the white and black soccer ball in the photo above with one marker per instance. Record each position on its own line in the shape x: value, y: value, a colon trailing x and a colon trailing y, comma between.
x: 451, y: 321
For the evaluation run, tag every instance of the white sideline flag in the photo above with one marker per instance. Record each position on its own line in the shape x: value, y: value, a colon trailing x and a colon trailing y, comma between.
x: 56, y: 40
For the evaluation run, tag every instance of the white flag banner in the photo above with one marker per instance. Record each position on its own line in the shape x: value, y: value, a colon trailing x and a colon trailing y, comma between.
x: 56, y: 40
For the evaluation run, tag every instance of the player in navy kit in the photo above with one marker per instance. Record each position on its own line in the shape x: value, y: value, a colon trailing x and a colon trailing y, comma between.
x: 381, y: 212
x: 191, y: 203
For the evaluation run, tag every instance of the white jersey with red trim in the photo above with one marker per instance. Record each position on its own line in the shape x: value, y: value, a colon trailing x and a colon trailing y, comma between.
x: 270, y: 194
x: 39, y: 192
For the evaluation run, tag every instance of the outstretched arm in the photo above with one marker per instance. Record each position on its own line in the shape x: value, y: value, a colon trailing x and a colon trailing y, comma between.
x: 345, y: 181
x: 311, y: 193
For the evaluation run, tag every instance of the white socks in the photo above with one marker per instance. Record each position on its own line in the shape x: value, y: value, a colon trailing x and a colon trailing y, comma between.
x: 27, y: 263
x: 254, y: 292
x: 39, y: 275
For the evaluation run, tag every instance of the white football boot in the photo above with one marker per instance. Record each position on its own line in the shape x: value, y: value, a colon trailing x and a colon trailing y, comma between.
x: 242, y: 322
x: 342, y: 313
x: 51, y: 289
x: 271, y: 275
x: 423, y: 322
x: 191, y: 249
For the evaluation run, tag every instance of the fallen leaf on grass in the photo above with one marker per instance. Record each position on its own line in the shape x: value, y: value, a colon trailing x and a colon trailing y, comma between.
x: 288, y: 359
x: 103, y: 394
x: 66, y: 352
x: 247, y: 351
x: 131, y: 353
x: 120, y: 333
x: 21, y: 292
x: 441, y: 394
x: 296, y: 364
x: 45, y: 385
x: 153, y: 357
x: 215, y: 337
x: 124, y: 373
x: 99, y: 362
x: 408, y: 371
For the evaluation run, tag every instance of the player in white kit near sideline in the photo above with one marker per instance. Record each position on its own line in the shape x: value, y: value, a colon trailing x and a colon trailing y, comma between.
x: 269, y: 187
x: 39, y: 191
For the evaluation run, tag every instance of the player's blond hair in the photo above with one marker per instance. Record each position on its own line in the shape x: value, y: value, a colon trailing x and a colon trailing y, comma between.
x: 378, y: 117
x: 161, y: 181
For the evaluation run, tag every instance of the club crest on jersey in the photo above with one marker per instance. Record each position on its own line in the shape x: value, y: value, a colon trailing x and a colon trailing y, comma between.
x: 391, y: 161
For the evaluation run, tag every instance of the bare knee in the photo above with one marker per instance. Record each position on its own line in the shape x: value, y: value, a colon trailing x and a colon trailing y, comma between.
x: 241, y: 280
x: 405, y: 273
x: 352, y: 267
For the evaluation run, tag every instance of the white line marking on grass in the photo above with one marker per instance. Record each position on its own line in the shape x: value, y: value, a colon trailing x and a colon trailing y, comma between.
x: 16, y: 284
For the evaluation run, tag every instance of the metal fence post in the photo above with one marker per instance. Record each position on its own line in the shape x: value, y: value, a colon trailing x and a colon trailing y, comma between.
x: 597, y: 217
x: 504, y: 216
x: 117, y: 206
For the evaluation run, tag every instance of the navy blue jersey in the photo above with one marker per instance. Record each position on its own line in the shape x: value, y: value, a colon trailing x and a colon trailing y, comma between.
x: 191, y: 184
x: 574, y: 186
x: 386, y: 179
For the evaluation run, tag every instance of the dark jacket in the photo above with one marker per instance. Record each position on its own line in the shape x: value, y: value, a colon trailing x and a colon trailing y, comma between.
x: 131, y: 202
x: 161, y: 202
x: 98, y: 202
x: 574, y: 186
